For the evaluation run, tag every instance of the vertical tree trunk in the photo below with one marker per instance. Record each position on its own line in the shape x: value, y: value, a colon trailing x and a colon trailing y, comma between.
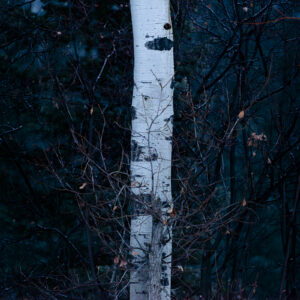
x: 151, y: 147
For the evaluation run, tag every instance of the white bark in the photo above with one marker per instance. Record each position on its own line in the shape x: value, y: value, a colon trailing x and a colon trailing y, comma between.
x: 151, y: 142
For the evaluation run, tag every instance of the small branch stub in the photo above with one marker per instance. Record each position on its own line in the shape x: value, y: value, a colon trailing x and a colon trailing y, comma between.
x: 167, y: 26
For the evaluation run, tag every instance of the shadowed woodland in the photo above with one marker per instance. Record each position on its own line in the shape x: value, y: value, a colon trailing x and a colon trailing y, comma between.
x: 66, y: 86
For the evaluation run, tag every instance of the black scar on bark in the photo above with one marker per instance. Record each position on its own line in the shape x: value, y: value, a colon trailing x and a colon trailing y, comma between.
x: 165, y: 205
x: 155, y: 220
x: 142, y: 153
x: 142, y: 292
x: 172, y: 83
x: 164, y: 282
x: 152, y: 155
x: 136, y: 151
x: 171, y: 119
x: 164, y: 268
x: 133, y: 177
x: 133, y: 113
x: 159, y: 44
x: 141, y: 202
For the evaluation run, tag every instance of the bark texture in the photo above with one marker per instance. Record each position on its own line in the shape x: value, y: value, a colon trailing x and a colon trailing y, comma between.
x: 151, y: 146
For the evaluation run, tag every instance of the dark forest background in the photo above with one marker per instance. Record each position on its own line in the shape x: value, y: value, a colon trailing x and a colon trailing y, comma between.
x: 66, y: 77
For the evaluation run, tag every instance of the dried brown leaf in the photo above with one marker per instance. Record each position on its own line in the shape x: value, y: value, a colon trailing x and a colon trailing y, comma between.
x: 241, y: 114
x: 123, y: 263
x: 116, y: 260
x: 83, y: 186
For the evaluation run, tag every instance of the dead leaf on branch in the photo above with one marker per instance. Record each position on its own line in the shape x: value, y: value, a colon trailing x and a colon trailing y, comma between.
x: 123, y: 263
x: 83, y: 186
x: 116, y: 260
x: 244, y: 202
x: 241, y: 114
x: 170, y: 210
x: 255, y: 138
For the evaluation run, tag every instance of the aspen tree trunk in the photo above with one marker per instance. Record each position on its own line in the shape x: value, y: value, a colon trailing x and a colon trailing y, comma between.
x: 151, y: 150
